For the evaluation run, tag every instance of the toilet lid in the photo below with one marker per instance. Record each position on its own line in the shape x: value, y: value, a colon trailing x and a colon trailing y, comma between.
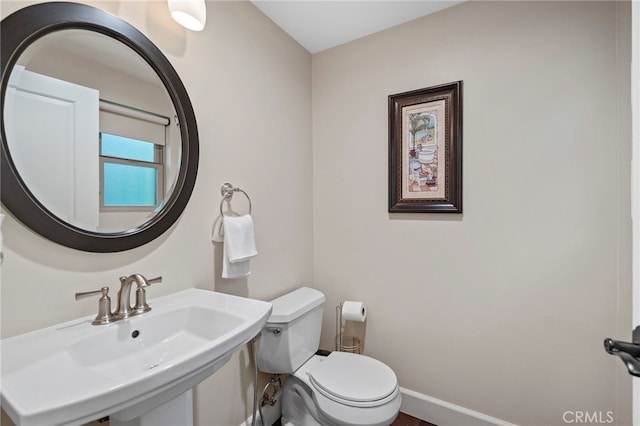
x: 346, y: 377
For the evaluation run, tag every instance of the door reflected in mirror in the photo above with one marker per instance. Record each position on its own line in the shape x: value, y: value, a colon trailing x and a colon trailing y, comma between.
x: 91, y: 130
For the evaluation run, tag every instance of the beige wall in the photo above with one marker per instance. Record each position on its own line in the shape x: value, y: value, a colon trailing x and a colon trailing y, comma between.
x: 502, y: 309
x: 251, y: 91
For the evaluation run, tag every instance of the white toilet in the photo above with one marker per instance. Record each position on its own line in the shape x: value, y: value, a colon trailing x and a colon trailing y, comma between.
x: 341, y: 389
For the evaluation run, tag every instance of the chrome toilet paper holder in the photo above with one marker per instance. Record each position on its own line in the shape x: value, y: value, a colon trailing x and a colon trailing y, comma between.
x: 345, y: 342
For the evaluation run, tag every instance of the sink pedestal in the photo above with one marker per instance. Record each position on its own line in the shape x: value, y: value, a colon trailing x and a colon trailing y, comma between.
x: 178, y: 411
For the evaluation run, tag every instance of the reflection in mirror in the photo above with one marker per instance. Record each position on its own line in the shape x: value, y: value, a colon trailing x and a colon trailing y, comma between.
x: 92, y: 131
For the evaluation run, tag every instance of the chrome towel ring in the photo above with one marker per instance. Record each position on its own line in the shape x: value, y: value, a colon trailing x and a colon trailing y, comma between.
x: 227, y: 190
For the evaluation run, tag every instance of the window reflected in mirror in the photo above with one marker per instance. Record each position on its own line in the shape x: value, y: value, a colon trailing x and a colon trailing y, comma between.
x: 131, y: 174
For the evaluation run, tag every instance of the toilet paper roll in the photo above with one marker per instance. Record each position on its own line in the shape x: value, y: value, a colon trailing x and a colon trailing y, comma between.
x: 354, y: 311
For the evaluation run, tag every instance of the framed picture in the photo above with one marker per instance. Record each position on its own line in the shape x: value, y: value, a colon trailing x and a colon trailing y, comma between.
x: 425, y: 150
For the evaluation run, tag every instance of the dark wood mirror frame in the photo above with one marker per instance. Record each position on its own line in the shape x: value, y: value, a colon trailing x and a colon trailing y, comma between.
x: 18, y: 31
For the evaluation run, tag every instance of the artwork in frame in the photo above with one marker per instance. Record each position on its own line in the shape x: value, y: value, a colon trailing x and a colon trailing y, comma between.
x: 425, y: 150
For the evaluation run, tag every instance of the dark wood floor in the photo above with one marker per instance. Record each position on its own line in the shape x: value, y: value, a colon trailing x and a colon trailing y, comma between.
x: 401, y: 420
x: 406, y: 420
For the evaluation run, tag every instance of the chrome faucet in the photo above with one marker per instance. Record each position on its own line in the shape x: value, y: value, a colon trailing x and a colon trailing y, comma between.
x: 124, y: 308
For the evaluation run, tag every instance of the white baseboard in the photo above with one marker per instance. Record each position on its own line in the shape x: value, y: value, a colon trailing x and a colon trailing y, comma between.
x: 443, y: 413
x: 434, y: 410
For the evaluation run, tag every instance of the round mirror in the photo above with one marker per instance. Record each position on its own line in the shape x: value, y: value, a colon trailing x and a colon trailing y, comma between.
x: 99, y: 139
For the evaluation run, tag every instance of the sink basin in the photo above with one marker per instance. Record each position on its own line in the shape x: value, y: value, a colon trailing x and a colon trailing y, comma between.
x: 76, y: 372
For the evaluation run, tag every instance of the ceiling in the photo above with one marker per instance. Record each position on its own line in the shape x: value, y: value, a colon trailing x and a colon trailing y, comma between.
x: 322, y: 24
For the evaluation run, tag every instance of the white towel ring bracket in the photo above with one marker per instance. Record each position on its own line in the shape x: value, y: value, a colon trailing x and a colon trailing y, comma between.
x: 227, y: 190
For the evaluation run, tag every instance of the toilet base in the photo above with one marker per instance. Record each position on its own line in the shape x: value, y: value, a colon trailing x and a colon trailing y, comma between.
x: 298, y: 407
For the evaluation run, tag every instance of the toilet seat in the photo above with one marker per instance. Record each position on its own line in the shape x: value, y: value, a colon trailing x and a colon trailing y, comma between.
x: 354, y: 380
x: 303, y: 406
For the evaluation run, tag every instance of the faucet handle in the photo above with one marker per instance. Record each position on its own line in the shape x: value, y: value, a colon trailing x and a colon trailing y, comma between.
x: 141, y: 296
x: 155, y: 280
x: 104, y: 305
x: 104, y: 291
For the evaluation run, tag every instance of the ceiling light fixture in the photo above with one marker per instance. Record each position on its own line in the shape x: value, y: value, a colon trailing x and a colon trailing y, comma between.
x: 191, y: 14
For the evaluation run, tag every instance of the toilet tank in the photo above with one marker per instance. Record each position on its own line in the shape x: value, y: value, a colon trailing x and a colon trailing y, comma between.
x: 292, y: 333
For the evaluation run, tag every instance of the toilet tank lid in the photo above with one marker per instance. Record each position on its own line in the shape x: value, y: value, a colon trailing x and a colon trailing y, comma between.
x: 292, y: 305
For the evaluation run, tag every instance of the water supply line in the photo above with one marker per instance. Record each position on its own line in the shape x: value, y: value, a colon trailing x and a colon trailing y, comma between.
x: 255, y: 383
x: 271, y: 400
x: 266, y: 399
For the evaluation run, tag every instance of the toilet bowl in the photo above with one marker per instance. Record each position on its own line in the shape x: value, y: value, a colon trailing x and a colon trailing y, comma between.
x: 341, y: 389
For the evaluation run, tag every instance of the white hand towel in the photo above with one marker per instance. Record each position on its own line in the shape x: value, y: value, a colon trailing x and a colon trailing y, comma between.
x: 234, y: 270
x: 239, y: 239
x: 239, y: 246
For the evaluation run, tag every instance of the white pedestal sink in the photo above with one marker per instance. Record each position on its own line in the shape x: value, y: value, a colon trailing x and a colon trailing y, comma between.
x: 136, y: 371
